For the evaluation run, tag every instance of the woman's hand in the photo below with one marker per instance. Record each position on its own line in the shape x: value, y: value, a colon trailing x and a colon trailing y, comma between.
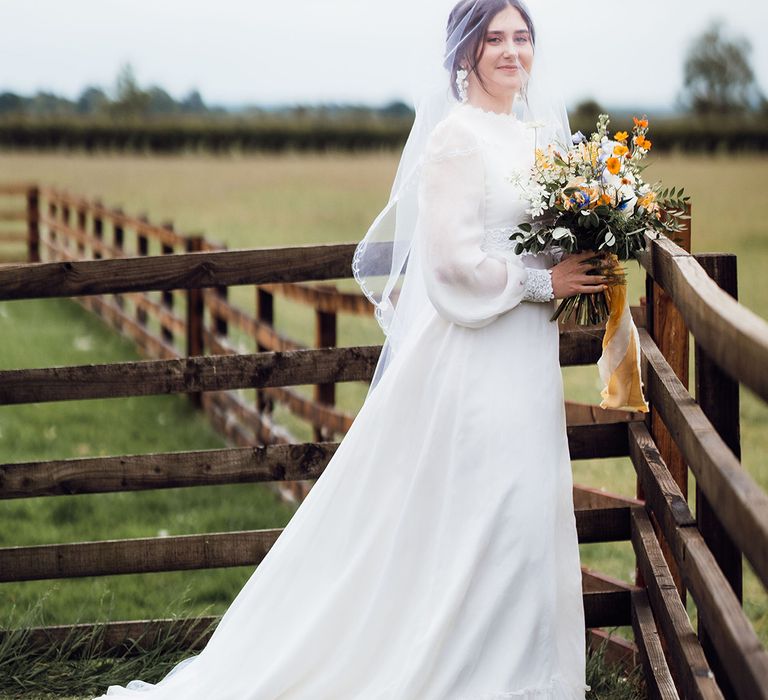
x: 570, y: 276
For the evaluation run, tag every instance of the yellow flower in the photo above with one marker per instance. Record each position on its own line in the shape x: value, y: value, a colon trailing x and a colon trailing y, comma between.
x: 646, y: 200
x: 621, y: 136
x: 542, y: 162
x: 620, y: 151
x: 613, y: 165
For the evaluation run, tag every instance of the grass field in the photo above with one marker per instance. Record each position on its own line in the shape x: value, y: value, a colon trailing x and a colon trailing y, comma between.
x: 270, y: 201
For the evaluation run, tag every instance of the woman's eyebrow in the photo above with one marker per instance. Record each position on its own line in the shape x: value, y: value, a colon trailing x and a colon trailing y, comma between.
x: 518, y: 31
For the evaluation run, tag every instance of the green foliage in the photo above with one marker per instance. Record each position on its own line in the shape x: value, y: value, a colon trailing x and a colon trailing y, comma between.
x: 718, y: 77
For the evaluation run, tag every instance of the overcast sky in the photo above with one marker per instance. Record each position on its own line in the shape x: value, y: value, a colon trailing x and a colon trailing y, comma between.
x: 621, y: 52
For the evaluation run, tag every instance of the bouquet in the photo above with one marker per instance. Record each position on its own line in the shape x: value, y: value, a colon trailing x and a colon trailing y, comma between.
x: 591, y: 196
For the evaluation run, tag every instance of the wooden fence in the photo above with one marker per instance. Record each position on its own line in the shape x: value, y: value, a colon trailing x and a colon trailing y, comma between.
x: 676, y: 552
x: 192, y: 322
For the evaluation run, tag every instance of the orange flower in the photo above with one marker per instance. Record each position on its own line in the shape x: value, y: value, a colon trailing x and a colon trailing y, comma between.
x: 604, y: 199
x: 643, y: 142
x: 613, y: 165
x: 620, y: 151
x: 642, y: 123
x: 621, y: 136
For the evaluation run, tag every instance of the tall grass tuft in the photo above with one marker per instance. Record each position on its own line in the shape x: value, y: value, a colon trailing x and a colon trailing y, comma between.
x: 77, y: 666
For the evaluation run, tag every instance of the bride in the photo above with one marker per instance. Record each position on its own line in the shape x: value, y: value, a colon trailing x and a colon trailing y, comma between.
x: 436, y: 558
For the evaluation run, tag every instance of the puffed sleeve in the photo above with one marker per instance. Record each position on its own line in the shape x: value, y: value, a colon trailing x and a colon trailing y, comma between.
x: 466, y: 285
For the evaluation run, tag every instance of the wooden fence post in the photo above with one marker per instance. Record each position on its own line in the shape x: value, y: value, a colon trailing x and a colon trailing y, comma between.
x: 65, y: 220
x: 265, y: 313
x: 668, y: 330
x: 33, y: 224
x: 53, y: 214
x: 142, y: 249
x: 325, y: 336
x: 718, y: 396
x: 82, y: 227
x: 98, y: 231
x: 119, y: 245
x: 195, y: 311
x: 167, y: 296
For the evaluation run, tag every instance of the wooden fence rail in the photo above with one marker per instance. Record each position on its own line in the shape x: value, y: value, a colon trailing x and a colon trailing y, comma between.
x: 67, y: 230
x: 675, y: 551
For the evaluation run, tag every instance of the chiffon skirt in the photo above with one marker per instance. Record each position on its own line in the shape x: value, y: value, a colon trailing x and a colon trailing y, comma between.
x: 436, y: 557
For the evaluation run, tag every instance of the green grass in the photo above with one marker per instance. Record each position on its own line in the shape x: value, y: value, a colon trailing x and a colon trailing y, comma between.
x: 269, y: 201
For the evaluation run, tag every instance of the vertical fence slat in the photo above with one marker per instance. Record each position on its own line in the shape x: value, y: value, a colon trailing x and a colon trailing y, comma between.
x: 33, y: 224
x: 265, y: 313
x: 718, y: 396
x: 119, y: 246
x: 167, y: 296
x: 82, y: 227
x: 325, y: 336
x: 142, y: 249
x: 195, y: 312
x: 669, y: 332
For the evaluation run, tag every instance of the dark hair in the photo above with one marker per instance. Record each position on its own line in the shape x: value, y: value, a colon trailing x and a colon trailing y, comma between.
x: 480, y: 19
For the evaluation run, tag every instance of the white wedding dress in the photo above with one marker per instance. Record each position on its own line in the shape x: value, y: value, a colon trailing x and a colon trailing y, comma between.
x: 436, y: 557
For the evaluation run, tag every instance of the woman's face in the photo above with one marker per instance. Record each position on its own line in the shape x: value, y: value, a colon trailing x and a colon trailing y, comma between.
x: 507, y: 54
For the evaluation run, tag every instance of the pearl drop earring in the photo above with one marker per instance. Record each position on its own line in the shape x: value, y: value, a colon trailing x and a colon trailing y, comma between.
x: 462, y: 84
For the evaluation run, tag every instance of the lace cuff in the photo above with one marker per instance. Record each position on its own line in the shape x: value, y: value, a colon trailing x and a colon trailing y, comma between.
x: 538, y: 285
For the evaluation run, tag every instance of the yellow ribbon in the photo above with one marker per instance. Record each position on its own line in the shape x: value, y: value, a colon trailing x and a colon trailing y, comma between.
x: 619, y: 364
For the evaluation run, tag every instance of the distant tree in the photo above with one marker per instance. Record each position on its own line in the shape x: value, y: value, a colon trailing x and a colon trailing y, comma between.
x: 46, y: 104
x: 130, y: 99
x: 193, y: 104
x: 588, y: 110
x: 92, y: 100
x: 718, y: 78
x: 160, y: 102
x: 397, y: 109
x: 11, y: 103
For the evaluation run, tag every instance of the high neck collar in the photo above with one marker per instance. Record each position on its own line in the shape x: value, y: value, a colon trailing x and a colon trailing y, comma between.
x: 499, y: 116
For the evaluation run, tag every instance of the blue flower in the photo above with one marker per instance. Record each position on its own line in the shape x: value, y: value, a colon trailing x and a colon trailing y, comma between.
x: 578, y: 138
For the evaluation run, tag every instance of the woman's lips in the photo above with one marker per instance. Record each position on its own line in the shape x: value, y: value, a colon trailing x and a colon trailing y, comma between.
x: 509, y: 69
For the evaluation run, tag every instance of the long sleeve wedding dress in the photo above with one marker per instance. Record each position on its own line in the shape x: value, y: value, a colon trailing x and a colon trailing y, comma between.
x: 436, y: 558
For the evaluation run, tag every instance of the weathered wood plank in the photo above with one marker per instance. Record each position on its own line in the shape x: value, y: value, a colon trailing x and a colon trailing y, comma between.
x: 291, y: 462
x: 16, y: 188
x: 606, y: 605
x: 181, y: 271
x: 165, y: 470
x: 123, y: 639
x: 689, y: 667
x: 134, y: 637
x: 732, y: 335
x: 136, y: 556
x: 658, y: 679
x: 185, y: 375
x: 179, y: 553
x: 214, y: 373
x: 742, y: 505
x: 732, y: 634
